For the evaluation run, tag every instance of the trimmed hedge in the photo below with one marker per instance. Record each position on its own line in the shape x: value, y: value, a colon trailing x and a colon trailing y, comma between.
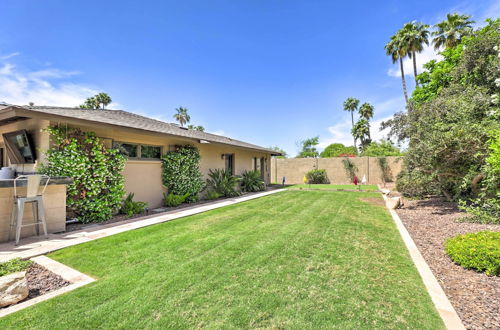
x: 479, y: 251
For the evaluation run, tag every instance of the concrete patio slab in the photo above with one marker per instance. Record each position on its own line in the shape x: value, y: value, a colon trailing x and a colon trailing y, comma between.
x: 35, y: 246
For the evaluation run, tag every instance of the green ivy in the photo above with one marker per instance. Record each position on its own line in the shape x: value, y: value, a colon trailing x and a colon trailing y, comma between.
x: 98, y: 185
x: 181, y: 172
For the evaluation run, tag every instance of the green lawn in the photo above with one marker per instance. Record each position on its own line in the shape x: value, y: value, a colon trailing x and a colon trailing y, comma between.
x: 371, y: 187
x: 296, y: 259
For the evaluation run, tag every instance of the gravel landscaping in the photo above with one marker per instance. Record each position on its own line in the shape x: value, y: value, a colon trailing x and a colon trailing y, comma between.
x: 41, y: 281
x: 475, y: 296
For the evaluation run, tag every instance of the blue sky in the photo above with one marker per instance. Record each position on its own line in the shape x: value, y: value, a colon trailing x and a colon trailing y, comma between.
x: 267, y: 72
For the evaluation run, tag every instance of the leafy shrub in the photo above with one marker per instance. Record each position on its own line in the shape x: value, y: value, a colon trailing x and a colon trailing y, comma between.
x: 181, y: 172
x: 171, y: 199
x: 251, y: 181
x: 98, y: 186
x: 130, y: 207
x: 14, y: 266
x: 223, y: 182
x: 210, y: 195
x: 479, y: 251
x: 317, y: 177
x: 485, y: 207
x: 416, y: 184
x: 381, y: 149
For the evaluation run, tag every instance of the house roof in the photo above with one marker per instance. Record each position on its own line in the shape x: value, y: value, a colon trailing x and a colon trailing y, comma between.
x: 132, y: 120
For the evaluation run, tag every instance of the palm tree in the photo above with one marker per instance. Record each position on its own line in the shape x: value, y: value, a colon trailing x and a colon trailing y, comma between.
x: 103, y: 100
x: 416, y: 35
x: 366, y: 111
x: 182, y: 116
x: 397, y: 49
x: 450, y: 32
x: 361, y: 131
x: 351, y: 105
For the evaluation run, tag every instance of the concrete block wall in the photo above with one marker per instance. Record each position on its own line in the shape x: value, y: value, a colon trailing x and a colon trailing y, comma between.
x: 294, y: 169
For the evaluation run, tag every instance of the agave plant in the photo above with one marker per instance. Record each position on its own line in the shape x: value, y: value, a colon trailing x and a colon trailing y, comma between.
x: 223, y: 182
x: 251, y: 181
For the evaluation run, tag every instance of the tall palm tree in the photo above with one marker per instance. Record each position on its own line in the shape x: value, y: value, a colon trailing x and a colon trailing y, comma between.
x: 182, y: 116
x: 103, y: 100
x: 351, y: 105
x: 366, y: 111
x: 361, y: 131
x: 416, y: 35
x: 397, y: 49
x: 450, y: 32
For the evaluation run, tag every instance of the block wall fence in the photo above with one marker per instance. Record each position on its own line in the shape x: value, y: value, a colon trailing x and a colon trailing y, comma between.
x: 294, y: 169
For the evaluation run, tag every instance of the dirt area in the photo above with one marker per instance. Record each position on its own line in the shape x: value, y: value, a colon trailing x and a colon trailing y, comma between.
x: 475, y: 296
x: 122, y: 217
x: 378, y: 201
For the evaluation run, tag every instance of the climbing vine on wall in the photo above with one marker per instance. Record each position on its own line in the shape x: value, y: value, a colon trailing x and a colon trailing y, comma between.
x: 98, y: 184
x: 181, y: 172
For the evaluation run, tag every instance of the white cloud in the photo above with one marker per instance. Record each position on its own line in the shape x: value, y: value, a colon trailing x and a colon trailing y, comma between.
x: 6, y: 57
x: 218, y: 132
x: 43, y: 87
x: 425, y: 56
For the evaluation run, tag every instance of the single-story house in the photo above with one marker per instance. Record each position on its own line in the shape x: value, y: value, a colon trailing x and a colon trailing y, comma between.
x: 144, y: 138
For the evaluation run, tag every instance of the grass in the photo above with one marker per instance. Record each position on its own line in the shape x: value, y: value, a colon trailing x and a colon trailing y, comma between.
x: 370, y: 187
x: 13, y: 266
x: 296, y: 259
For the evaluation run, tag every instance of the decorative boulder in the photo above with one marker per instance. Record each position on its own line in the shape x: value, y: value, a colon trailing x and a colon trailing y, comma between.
x: 394, y: 202
x: 13, y: 288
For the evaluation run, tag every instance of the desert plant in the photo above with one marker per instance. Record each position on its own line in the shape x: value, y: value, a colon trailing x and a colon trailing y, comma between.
x: 317, y: 177
x: 13, y: 266
x: 131, y: 207
x: 172, y: 200
x: 223, y: 182
x: 479, y: 251
x: 251, y: 181
x: 350, y: 168
x: 210, y: 195
x: 181, y: 172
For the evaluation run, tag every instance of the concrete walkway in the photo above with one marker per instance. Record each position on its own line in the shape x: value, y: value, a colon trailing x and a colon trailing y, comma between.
x: 35, y: 246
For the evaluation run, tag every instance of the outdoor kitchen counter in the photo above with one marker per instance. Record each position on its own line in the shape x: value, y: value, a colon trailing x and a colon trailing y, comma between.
x: 54, y: 200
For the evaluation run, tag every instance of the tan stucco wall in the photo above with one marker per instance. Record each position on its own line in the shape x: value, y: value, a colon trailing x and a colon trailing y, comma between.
x: 294, y: 169
x: 143, y: 178
x: 54, y: 200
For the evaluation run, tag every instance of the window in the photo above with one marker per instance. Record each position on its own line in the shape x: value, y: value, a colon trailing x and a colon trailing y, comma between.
x: 150, y: 152
x: 138, y: 151
x: 229, y: 159
x: 127, y: 149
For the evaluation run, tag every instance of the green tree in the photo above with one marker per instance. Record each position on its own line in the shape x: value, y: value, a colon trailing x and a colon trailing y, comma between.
x: 452, y: 120
x: 381, y: 149
x: 361, y: 131
x: 397, y: 49
x: 182, y: 116
x: 450, y: 32
x: 416, y: 35
x: 308, y: 148
x: 281, y: 151
x: 196, y: 128
x: 351, y: 105
x: 337, y: 149
x: 98, y: 101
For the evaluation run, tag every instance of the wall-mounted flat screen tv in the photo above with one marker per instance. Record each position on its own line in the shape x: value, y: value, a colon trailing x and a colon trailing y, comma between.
x: 19, y: 147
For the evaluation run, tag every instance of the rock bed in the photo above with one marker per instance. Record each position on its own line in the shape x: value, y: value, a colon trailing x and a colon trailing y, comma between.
x: 40, y: 281
x: 475, y: 296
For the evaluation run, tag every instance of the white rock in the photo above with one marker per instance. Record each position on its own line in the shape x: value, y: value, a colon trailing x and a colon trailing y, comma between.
x: 394, y: 202
x: 13, y: 288
x: 385, y: 191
